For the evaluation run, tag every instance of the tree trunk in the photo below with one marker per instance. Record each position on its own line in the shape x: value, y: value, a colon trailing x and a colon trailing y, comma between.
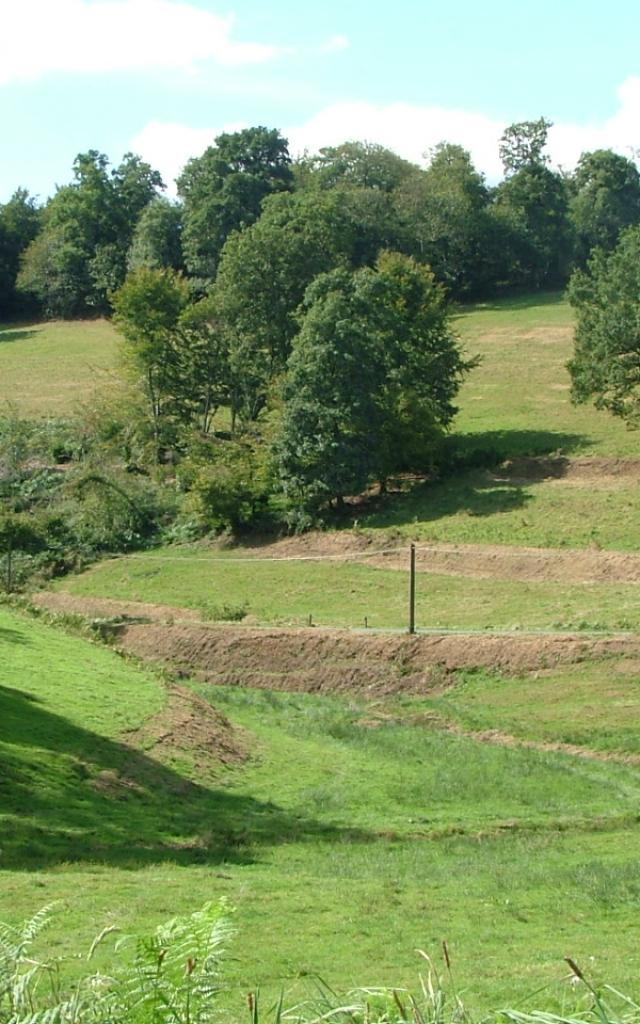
x: 9, y: 566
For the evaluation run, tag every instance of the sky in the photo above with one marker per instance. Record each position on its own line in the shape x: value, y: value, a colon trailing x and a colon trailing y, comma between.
x: 163, y: 77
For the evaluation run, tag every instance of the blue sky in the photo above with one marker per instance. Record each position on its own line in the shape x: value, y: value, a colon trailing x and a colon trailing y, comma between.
x: 162, y: 77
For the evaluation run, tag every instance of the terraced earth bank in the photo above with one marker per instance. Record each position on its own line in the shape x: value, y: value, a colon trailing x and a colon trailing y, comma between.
x: 327, y: 660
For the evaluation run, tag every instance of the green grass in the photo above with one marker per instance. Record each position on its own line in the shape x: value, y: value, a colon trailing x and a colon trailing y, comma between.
x: 517, y: 403
x: 344, y: 847
x: 342, y: 594
x: 518, y: 398
x: 48, y: 369
x: 595, y: 705
x: 476, y: 508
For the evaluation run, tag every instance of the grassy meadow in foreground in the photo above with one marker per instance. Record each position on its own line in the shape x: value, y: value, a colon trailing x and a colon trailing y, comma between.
x: 48, y: 369
x: 344, y: 845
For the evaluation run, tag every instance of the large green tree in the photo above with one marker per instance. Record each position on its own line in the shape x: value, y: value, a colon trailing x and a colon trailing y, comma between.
x: 147, y: 310
x: 605, y: 367
x: 371, y: 380
x: 532, y: 209
x: 19, y: 224
x: 263, y: 274
x: 605, y: 200
x: 223, y: 190
x: 80, y: 254
x: 444, y: 215
x: 522, y: 145
x: 360, y: 164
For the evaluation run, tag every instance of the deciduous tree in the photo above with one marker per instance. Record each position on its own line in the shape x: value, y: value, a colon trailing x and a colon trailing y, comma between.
x: 606, y: 364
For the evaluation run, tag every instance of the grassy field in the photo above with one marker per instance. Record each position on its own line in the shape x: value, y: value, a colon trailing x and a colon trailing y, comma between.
x: 344, y: 844
x: 595, y: 705
x: 342, y: 594
x: 516, y: 402
x: 518, y: 398
x: 351, y: 833
x: 47, y: 369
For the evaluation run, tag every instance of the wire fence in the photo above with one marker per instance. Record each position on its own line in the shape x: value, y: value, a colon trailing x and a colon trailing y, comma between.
x: 412, y: 594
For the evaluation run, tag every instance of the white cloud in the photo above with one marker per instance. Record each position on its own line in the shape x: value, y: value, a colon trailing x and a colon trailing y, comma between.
x: 43, y: 36
x: 167, y: 145
x: 405, y: 128
x: 335, y: 44
x: 411, y: 131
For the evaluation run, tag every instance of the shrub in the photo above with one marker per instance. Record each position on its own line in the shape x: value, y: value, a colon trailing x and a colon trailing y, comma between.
x: 228, y: 486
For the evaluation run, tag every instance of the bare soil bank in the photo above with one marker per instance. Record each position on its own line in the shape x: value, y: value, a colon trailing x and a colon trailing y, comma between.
x: 334, y: 661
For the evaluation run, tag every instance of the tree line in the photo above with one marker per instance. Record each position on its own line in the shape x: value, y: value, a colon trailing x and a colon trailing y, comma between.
x: 286, y: 325
x: 348, y: 202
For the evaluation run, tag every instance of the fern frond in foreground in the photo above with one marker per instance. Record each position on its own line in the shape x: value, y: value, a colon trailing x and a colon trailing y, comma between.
x: 173, y: 976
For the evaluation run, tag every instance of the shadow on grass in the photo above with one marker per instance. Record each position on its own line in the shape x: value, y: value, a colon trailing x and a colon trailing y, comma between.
x: 70, y: 795
x: 8, y: 334
x: 476, y: 493
x: 490, y: 447
x: 524, y: 300
x: 473, y: 483
x: 12, y: 636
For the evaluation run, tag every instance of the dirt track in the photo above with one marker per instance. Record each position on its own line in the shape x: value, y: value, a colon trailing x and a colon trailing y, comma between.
x: 523, y: 564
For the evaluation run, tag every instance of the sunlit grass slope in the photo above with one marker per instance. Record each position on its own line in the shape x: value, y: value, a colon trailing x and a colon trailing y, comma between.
x: 350, y: 837
x: 517, y: 403
x: 47, y: 369
x: 343, y: 594
x: 519, y: 396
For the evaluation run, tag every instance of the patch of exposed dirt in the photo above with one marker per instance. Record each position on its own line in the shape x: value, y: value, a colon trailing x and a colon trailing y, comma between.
x: 334, y: 661
x: 105, y: 607
x: 188, y: 726
x: 523, y: 564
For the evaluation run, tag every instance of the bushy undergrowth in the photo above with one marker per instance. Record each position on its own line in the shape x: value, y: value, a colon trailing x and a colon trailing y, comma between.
x: 174, y: 976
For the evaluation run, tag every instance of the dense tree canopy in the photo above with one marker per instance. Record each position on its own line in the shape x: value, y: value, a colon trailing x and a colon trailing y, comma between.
x: 222, y: 191
x: 606, y: 364
x: 370, y: 381
x: 156, y: 242
x: 605, y: 200
x: 358, y: 200
x: 19, y: 225
x: 80, y: 254
x: 362, y: 164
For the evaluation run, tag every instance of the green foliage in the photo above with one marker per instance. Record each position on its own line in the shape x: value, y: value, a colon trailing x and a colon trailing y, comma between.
x: 80, y: 254
x: 146, y: 311
x: 445, y: 219
x: 370, y: 381
x: 19, y: 225
x: 205, y: 363
x: 228, y: 484
x: 263, y: 274
x: 17, y: 533
x: 156, y: 242
x: 606, y: 362
x: 222, y: 191
x: 364, y: 165
x: 605, y: 200
x: 534, y: 203
x: 111, y: 511
x: 522, y: 145
x: 171, y: 975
